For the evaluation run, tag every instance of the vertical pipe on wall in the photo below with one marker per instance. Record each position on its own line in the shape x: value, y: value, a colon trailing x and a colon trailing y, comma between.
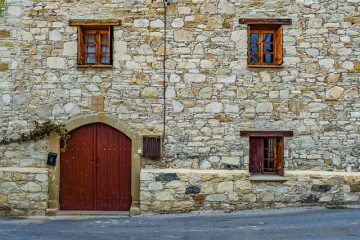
x: 165, y: 2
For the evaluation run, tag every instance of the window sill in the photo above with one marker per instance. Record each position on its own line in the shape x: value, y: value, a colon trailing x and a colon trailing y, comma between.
x: 265, y: 66
x: 268, y: 178
x: 94, y: 66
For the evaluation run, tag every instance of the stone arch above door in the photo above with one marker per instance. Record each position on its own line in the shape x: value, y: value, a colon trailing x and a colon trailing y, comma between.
x: 54, y: 146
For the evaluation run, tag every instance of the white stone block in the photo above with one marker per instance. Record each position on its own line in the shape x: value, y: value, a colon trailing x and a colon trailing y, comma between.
x: 70, y: 49
x: 141, y: 23
x: 177, y: 106
x: 327, y: 62
x: 214, y: 107
x: 157, y: 24
x: 264, y: 107
x: 177, y: 23
x: 227, y: 80
x: 225, y: 7
x: 231, y: 108
x: 55, y: 35
x: 56, y: 62
x: 191, y: 77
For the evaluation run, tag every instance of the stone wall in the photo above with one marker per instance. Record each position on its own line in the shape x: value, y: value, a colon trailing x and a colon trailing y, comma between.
x: 211, y: 94
x: 23, y: 179
x: 179, y: 190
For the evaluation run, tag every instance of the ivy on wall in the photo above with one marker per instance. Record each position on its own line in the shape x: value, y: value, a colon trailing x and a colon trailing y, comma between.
x: 2, y: 7
x: 39, y: 132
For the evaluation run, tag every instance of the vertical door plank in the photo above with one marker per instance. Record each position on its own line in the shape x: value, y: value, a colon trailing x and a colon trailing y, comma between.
x: 76, y: 171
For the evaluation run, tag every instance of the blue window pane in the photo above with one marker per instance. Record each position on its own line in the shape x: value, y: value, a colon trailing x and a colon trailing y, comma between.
x: 104, y: 48
x: 268, y: 48
x: 90, y: 37
x: 254, y: 37
x: 104, y: 59
x: 268, y: 37
x: 104, y: 38
x: 254, y: 48
x: 90, y: 58
x: 254, y: 58
x: 90, y: 48
x: 268, y: 58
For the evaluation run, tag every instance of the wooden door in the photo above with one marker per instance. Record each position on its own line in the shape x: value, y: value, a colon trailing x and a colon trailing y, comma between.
x: 95, y: 170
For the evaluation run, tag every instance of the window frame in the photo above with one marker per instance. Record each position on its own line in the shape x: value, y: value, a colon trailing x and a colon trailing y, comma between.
x: 93, y: 24
x: 97, y: 31
x: 269, y: 24
x: 257, y: 151
x: 277, y: 44
x: 258, y: 159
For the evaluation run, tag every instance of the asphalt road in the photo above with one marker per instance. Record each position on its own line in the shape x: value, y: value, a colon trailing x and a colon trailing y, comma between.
x: 314, y: 224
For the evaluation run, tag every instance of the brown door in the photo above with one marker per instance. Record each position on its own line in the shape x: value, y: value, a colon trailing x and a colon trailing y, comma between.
x: 95, y: 170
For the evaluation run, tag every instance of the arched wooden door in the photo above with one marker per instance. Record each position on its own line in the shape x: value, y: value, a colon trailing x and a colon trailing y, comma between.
x: 95, y: 170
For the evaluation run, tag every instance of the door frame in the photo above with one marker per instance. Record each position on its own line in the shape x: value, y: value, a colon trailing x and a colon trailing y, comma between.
x: 54, y: 146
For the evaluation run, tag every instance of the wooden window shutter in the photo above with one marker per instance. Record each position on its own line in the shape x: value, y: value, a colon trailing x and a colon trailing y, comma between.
x: 110, y: 34
x: 279, y: 160
x: 152, y: 146
x: 248, y: 43
x: 81, y: 46
x: 278, y: 58
x: 256, y: 155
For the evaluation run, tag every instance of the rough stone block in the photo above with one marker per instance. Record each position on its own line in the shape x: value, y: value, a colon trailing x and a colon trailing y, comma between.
x: 355, y: 188
x: 167, y: 177
x: 4, y: 67
x: 183, y: 36
x: 321, y: 188
x: 4, y: 33
x: 192, y: 190
x: 56, y: 62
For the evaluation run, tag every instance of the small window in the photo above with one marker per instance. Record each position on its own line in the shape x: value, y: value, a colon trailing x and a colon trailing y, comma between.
x: 266, y: 155
x: 95, y: 45
x: 152, y: 147
x: 265, y: 40
x: 265, y: 45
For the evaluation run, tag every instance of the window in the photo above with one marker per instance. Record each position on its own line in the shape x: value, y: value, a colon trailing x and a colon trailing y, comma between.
x: 152, y: 147
x: 95, y: 41
x: 265, y: 41
x: 265, y: 45
x: 266, y: 153
x: 94, y: 45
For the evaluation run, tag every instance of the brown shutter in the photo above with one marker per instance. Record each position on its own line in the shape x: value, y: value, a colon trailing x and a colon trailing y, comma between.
x: 256, y: 155
x: 248, y: 44
x: 110, y: 45
x: 279, y: 160
x: 81, y: 46
x: 152, y: 146
x: 278, y: 58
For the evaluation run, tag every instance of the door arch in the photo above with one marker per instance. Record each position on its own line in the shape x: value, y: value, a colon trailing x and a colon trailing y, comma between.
x: 95, y: 170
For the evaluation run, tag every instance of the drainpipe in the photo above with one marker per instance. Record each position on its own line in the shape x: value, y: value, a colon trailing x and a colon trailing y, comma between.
x: 166, y: 3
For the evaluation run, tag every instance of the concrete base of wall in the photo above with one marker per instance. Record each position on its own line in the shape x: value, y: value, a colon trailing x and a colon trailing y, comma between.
x: 182, y: 190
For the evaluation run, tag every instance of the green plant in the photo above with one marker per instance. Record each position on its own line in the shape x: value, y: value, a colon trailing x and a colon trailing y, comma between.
x: 39, y: 132
x: 2, y: 7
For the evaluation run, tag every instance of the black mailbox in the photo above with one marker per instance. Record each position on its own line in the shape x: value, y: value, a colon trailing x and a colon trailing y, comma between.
x: 51, y: 160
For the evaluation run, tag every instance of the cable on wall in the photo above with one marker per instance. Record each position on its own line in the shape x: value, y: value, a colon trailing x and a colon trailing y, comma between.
x: 165, y: 2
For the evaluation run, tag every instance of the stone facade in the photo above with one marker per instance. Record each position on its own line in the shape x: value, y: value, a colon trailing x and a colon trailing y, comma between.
x: 23, y: 179
x: 174, y: 190
x: 211, y: 94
